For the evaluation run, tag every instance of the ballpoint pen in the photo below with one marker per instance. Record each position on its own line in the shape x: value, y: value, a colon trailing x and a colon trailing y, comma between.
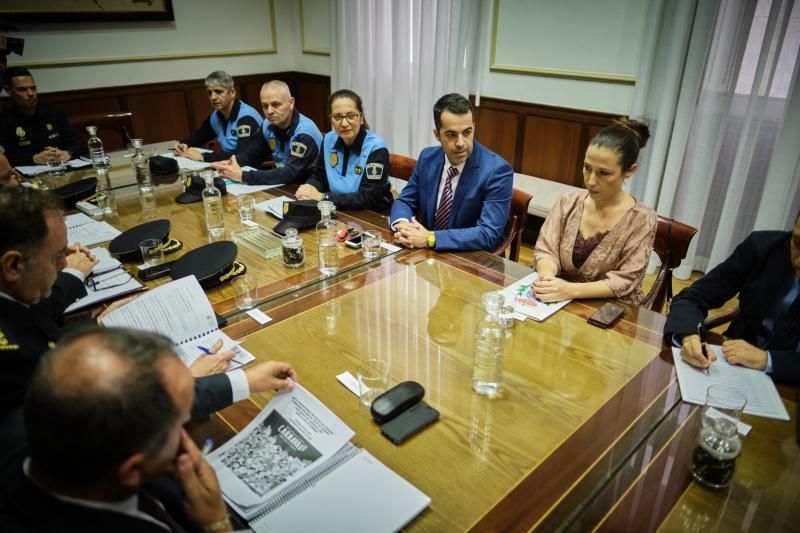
x: 701, y: 332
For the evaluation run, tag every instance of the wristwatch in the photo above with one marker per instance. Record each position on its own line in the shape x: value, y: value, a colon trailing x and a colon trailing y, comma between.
x: 431, y: 239
x: 325, y: 197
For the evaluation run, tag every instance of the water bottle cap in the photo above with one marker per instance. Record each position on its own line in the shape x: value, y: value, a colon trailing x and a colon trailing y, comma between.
x: 291, y: 232
x: 136, y: 143
x: 92, y: 130
x: 493, y: 301
x: 326, y: 207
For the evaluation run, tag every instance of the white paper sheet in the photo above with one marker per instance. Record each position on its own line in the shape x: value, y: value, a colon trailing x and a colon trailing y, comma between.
x: 238, y: 189
x: 186, y: 163
x: 181, y: 311
x: 111, y: 284
x: 274, y: 206
x: 294, y: 433
x: 88, y: 232
x: 33, y: 170
x: 756, y: 385
x: 520, y: 296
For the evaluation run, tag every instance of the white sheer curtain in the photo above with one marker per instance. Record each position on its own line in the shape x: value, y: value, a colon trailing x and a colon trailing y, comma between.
x: 401, y: 56
x: 720, y: 92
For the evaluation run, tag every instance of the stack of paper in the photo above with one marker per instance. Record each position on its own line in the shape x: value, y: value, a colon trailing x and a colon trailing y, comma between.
x: 755, y: 385
x: 33, y: 170
x: 180, y: 311
x: 293, y: 469
x: 186, y: 163
x: 87, y: 232
x: 109, y: 280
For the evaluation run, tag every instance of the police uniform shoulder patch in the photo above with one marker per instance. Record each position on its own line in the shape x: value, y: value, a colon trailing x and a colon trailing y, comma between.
x: 20, y: 132
x: 298, y: 149
x: 5, y: 345
x: 243, y: 130
x: 272, y: 144
x: 333, y: 159
x: 358, y: 169
x: 374, y: 171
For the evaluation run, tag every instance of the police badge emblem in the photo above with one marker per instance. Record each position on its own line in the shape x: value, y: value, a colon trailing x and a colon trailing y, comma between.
x: 243, y: 130
x: 333, y: 159
x: 298, y: 149
x: 272, y: 144
x: 358, y: 170
x: 374, y: 171
x: 20, y: 132
x: 49, y: 127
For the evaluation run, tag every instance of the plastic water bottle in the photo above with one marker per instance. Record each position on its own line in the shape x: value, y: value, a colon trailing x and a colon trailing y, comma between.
x: 96, y: 153
x: 327, y: 243
x: 490, y: 338
x: 212, y: 205
x: 141, y: 164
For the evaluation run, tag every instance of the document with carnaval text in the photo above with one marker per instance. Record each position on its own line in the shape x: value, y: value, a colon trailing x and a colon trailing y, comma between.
x: 293, y: 468
x: 520, y: 296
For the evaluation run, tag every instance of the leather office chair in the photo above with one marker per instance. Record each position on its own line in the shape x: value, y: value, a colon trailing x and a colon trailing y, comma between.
x: 402, y: 166
x: 115, y: 129
x: 512, y: 234
x: 671, y: 244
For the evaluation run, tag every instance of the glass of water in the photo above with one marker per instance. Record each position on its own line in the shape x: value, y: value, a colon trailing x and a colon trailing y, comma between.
x: 247, y: 207
x: 371, y: 244
x: 373, y: 378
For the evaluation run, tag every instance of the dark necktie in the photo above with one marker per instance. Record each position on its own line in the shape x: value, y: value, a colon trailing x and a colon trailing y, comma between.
x: 446, y: 203
x: 786, y: 334
x: 150, y: 506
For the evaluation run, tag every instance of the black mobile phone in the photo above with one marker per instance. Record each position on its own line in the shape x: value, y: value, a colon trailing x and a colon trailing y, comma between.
x: 606, y: 315
x: 153, y: 272
x: 354, y: 242
x: 410, y: 422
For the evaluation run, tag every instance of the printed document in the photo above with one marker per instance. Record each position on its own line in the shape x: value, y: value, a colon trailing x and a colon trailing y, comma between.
x: 756, y: 385
x: 179, y: 310
x: 109, y: 280
x: 274, y: 206
x: 87, y: 232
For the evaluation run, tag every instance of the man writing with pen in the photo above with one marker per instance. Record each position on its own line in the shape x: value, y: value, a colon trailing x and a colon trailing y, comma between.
x: 764, y: 271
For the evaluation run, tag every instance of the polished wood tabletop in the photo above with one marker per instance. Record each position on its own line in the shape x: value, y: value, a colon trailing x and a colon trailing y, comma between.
x: 569, y: 389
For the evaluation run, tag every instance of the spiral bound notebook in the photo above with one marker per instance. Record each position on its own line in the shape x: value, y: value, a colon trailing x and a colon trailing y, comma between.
x: 351, y: 492
x: 179, y: 310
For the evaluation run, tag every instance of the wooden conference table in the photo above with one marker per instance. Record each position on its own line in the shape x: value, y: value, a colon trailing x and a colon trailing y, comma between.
x: 588, y: 433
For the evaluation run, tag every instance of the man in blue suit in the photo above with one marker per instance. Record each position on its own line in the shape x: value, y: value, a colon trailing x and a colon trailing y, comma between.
x: 459, y: 195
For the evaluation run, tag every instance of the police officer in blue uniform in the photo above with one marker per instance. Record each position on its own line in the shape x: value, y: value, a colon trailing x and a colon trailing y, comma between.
x: 234, y: 124
x: 288, y: 138
x: 31, y: 133
x: 352, y: 169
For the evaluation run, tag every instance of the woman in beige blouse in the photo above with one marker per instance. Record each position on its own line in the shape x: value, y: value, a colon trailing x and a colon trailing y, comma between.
x: 596, y: 243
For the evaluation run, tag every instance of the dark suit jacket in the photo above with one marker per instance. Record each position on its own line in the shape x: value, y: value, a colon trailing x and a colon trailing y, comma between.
x: 25, y: 507
x: 481, y: 204
x: 761, y: 272
x: 30, y: 331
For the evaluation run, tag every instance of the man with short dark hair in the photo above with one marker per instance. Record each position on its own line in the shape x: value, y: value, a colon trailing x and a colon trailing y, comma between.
x: 460, y: 191
x: 31, y: 133
x: 234, y: 124
x: 764, y: 271
x: 33, y: 251
x: 288, y: 138
x: 103, y: 417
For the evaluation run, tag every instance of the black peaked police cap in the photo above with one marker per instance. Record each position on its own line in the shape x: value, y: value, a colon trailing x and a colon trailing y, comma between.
x: 194, y: 189
x: 74, y: 192
x: 211, y: 264
x: 300, y: 214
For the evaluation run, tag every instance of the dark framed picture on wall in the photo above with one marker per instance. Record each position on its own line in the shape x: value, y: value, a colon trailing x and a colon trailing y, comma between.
x: 85, y: 10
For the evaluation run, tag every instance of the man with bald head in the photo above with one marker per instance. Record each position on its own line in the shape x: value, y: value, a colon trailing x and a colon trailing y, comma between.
x: 104, y: 415
x: 288, y: 138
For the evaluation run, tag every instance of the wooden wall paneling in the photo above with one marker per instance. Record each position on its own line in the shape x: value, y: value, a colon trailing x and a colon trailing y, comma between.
x: 197, y: 107
x: 311, y: 98
x: 497, y: 130
x: 159, y: 117
x: 551, y: 149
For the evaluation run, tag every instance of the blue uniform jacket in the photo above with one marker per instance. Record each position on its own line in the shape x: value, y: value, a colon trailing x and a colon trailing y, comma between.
x: 358, y: 177
x: 481, y: 204
x: 233, y: 135
x: 294, y: 151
